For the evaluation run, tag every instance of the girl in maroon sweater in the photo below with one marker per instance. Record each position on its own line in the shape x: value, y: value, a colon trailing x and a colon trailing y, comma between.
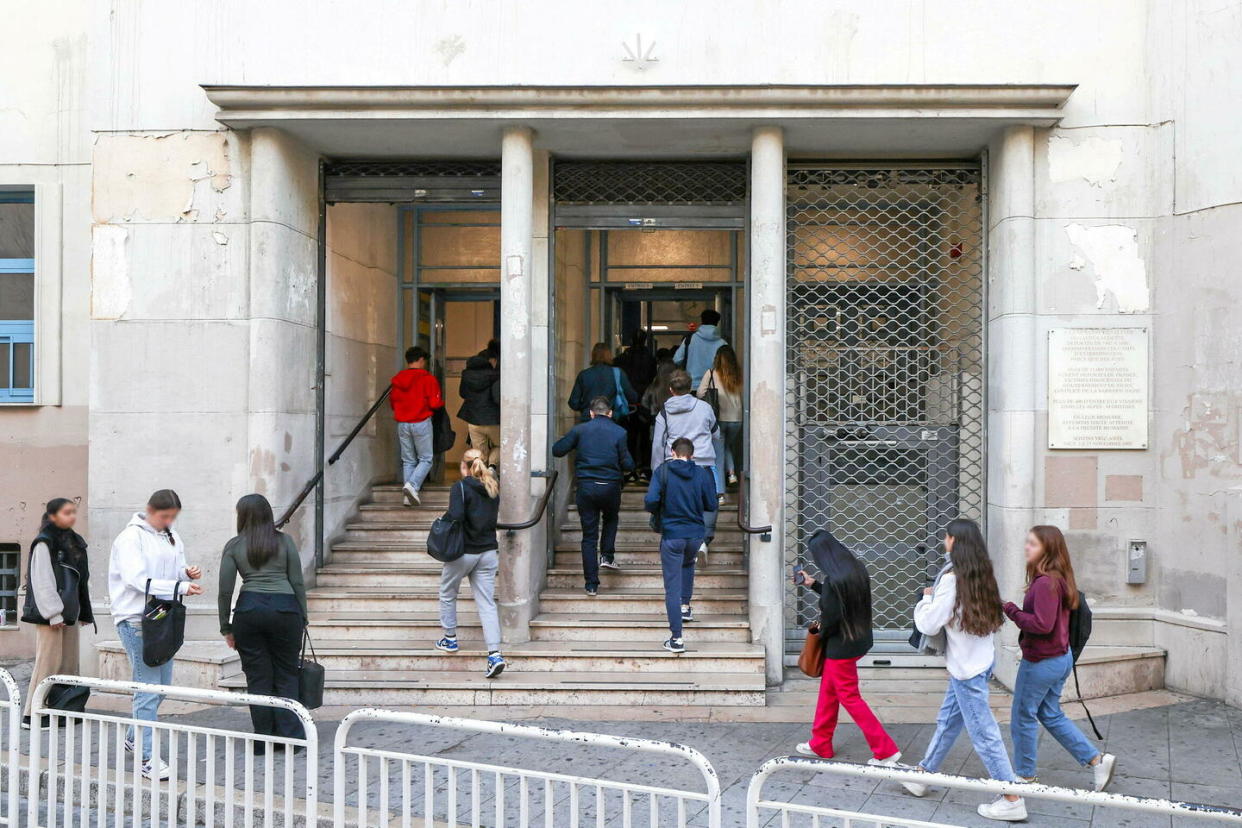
x: 1043, y: 619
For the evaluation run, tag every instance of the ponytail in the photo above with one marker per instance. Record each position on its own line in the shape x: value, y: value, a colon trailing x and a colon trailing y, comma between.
x: 477, y: 468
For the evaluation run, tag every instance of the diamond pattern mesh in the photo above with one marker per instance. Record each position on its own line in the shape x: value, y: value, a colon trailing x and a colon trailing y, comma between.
x: 414, y: 169
x: 649, y: 182
x: 884, y: 436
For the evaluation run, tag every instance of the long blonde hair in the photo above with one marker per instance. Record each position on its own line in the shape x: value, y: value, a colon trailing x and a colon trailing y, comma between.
x: 477, y: 468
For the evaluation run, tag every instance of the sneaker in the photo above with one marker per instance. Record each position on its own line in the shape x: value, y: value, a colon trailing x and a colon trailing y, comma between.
x: 608, y: 563
x: 1004, y: 810
x: 592, y: 592
x: 703, y: 553
x: 495, y: 665
x: 805, y: 749
x: 447, y: 645
x: 732, y: 479
x: 1103, y: 770
x: 150, y: 770
x: 44, y: 723
x: 687, y: 614
x: 675, y: 645
x: 411, y: 495
x: 891, y: 762
x: 129, y: 744
x: 915, y: 788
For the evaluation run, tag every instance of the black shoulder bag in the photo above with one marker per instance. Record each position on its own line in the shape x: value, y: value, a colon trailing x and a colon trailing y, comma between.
x: 163, y: 627
x: 310, y: 676
x: 446, y: 540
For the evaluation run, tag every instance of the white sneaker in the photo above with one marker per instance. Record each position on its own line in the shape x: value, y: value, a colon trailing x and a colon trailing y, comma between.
x: 1004, y: 810
x: 915, y: 788
x: 152, y: 771
x: 411, y: 495
x: 890, y: 762
x: 805, y: 749
x: 703, y: 554
x: 1103, y: 770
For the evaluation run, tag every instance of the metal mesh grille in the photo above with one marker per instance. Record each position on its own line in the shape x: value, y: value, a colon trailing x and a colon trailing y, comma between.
x: 884, y: 441
x: 414, y: 169
x: 649, y: 182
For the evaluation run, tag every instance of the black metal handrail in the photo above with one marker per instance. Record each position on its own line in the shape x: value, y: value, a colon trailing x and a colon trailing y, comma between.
x: 765, y: 532
x: 336, y: 455
x: 539, y: 507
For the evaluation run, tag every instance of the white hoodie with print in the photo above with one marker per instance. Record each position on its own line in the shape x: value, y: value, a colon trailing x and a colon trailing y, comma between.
x: 140, y: 552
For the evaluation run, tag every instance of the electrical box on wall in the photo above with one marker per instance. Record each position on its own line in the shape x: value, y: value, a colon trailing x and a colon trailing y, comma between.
x: 1136, y: 562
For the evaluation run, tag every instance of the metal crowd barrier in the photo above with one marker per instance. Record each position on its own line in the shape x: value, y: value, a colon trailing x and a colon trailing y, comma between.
x: 10, y: 736
x: 216, y: 777
x: 805, y: 814
x: 445, y: 791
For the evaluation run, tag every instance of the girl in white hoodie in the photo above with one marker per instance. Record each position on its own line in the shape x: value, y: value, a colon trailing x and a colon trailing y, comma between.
x: 148, y: 549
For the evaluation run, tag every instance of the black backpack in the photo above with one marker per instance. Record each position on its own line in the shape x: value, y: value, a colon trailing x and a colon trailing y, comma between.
x: 1079, y: 633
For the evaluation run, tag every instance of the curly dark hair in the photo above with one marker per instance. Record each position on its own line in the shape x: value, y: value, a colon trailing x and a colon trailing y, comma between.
x: 977, y: 609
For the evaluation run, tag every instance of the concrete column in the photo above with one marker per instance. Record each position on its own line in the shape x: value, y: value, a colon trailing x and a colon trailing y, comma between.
x: 516, y: 227
x: 766, y: 376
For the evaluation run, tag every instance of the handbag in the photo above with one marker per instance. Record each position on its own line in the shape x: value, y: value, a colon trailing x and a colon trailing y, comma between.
x: 811, y: 659
x: 446, y: 540
x: 443, y: 438
x: 711, y: 395
x: 163, y: 627
x: 620, y: 404
x: 310, y: 675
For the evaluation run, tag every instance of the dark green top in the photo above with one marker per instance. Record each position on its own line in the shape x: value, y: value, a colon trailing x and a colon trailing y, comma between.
x: 281, y: 574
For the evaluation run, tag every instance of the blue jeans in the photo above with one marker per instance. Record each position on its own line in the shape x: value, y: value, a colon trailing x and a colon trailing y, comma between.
x: 677, y: 557
x: 416, y: 454
x: 146, y: 705
x: 1036, y: 701
x: 730, y: 436
x: 966, y: 705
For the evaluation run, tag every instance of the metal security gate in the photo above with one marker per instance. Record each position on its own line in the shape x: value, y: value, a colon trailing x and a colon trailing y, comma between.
x: 885, y: 400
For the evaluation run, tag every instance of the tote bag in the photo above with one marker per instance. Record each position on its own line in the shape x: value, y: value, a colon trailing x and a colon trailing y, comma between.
x: 711, y: 394
x: 446, y: 540
x: 811, y: 659
x: 310, y: 676
x: 163, y: 627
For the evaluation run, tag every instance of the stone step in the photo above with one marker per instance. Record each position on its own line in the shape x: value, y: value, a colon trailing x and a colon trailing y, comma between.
x: 624, y: 601
x: 1104, y: 670
x: 406, y: 579
x: 543, y: 656
x: 198, y: 663
x: 361, y: 600
x: 459, y: 687
x: 648, y: 627
x: 726, y: 536
x: 717, y: 558
x: 646, y: 577
x: 377, y: 553
x: 397, y: 629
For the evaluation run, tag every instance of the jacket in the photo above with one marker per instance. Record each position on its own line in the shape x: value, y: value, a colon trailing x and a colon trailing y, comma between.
x: 966, y: 655
x: 682, y: 492
x: 480, y: 392
x: 602, y: 453
x: 639, y: 365
x: 836, y: 645
x: 55, y: 556
x: 138, y: 553
x: 469, y: 503
x: 600, y: 380
x: 415, y: 395
x: 684, y: 416
x: 1043, y: 620
x: 699, y: 352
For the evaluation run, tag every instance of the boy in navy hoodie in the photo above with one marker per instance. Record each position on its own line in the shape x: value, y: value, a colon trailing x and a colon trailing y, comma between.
x: 679, y: 494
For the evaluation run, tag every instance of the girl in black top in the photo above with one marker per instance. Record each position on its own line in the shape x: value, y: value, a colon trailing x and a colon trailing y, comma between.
x: 845, y: 628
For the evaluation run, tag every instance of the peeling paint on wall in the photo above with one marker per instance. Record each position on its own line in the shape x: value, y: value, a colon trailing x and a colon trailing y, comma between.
x: 110, y: 286
x: 1094, y: 160
x: 1112, y: 251
x: 174, y: 176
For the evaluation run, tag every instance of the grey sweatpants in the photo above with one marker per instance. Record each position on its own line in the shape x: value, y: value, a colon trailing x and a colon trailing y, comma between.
x: 481, y: 569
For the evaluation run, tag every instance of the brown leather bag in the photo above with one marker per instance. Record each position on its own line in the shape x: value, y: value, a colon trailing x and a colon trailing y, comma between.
x: 811, y: 660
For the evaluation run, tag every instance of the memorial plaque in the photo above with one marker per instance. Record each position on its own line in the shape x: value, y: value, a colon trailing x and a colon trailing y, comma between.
x: 1097, y: 388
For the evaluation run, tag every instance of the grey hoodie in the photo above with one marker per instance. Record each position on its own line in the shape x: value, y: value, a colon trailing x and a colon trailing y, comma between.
x: 684, y: 416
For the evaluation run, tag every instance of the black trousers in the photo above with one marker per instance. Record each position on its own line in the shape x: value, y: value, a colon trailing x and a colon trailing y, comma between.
x: 599, y: 502
x: 267, y: 629
x: 638, y: 441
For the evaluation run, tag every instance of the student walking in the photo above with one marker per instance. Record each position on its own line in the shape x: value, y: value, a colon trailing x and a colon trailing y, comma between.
x: 148, y: 557
x: 601, y: 379
x: 966, y: 605
x: 601, y: 463
x: 680, y: 494
x: 725, y: 381
x: 474, y: 503
x: 684, y: 415
x: 640, y: 367
x: 697, y: 351
x: 415, y: 397
x: 58, y: 596
x: 845, y: 629
x: 1043, y: 618
x: 480, y: 402
x: 269, y: 618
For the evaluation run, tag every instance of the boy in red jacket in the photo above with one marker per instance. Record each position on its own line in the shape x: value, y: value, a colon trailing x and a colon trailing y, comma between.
x: 415, y: 397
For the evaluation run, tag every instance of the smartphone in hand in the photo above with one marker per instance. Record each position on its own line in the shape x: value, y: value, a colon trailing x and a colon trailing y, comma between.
x: 799, y: 577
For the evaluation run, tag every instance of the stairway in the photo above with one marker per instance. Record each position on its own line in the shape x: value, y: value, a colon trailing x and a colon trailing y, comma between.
x: 375, y: 616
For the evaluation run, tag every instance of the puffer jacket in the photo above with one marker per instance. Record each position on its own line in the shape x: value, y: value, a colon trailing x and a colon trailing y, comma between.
x: 480, y: 392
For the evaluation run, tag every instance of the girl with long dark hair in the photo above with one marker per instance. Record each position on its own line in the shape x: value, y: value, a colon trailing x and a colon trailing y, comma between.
x: 1043, y: 618
x: 845, y: 629
x: 966, y: 605
x: 270, y: 615
x: 57, y: 595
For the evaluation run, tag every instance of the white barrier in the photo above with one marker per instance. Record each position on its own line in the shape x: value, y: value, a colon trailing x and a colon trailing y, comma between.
x: 10, y: 735
x: 87, y: 779
x: 815, y: 815
x: 566, y: 801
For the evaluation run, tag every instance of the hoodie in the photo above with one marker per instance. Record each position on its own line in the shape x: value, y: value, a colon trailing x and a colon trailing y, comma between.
x: 480, y: 392
x: 682, y: 492
x: 415, y: 395
x: 701, y: 354
x: 138, y: 553
x: 684, y: 416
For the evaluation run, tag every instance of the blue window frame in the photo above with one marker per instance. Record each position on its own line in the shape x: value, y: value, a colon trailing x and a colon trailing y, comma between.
x: 17, y: 327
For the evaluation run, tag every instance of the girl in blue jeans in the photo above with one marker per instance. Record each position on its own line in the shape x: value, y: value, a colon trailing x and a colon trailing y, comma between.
x: 966, y: 605
x: 1043, y: 618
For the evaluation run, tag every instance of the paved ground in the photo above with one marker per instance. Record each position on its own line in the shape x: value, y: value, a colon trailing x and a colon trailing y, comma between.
x: 1189, y: 750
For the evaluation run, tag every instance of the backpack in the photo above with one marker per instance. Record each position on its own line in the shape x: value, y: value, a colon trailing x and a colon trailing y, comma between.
x: 1079, y: 626
x: 442, y: 435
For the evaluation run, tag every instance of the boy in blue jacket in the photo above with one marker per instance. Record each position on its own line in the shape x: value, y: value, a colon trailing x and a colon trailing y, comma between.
x: 679, y: 495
